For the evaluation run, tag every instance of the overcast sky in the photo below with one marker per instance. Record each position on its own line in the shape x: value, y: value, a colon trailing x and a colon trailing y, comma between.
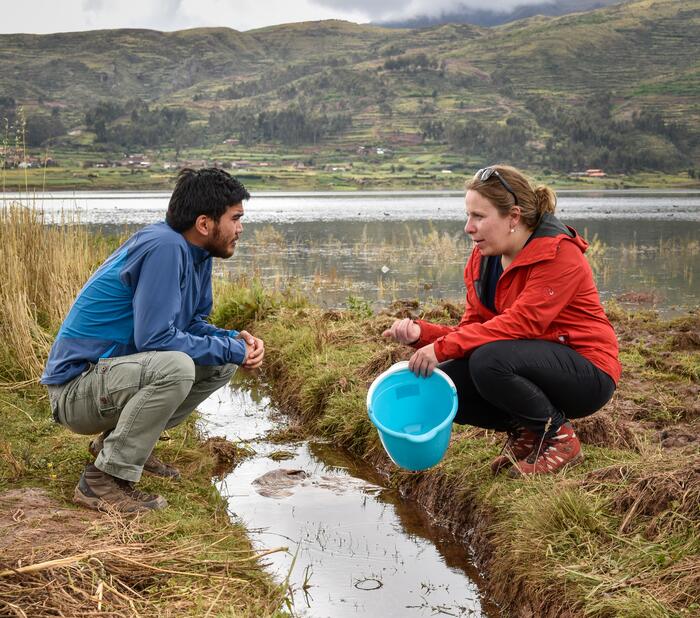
x: 43, y: 16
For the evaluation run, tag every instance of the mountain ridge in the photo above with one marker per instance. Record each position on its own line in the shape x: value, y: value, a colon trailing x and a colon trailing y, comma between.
x: 358, y: 82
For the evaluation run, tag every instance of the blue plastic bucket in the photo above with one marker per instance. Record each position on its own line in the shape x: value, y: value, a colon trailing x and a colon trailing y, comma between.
x: 413, y: 415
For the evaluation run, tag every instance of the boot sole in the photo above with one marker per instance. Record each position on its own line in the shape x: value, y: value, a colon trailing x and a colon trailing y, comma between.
x: 97, y: 504
x: 163, y: 476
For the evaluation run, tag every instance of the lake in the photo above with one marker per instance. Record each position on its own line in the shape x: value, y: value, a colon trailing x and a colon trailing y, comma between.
x: 381, y: 246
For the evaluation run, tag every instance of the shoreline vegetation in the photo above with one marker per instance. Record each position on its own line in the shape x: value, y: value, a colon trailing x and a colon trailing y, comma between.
x: 618, y: 535
x: 282, y: 177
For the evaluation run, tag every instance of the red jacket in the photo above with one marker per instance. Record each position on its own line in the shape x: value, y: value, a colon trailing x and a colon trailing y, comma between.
x: 546, y: 293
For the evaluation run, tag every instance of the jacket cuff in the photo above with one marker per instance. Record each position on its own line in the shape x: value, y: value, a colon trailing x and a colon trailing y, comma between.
x: 429, y: 333
x: 238, y: 350
x: 438, y: 348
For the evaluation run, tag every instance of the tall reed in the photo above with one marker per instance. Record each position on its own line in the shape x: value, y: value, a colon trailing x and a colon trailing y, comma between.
x: 42, y: 266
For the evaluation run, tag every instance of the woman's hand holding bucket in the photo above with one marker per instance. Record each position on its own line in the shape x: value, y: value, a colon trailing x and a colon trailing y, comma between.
x: 423, y: 361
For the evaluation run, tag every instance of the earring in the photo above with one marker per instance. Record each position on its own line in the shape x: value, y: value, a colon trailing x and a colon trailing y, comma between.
x: 512, y: 230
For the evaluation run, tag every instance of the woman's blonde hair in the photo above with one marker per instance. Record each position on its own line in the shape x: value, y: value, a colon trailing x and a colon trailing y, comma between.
x: 533, y: 202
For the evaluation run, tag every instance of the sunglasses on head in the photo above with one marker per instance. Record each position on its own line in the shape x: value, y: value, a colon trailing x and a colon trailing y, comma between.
x: 487, y: 172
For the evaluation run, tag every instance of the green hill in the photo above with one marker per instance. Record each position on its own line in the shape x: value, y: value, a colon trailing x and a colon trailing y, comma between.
x: 616, y: 88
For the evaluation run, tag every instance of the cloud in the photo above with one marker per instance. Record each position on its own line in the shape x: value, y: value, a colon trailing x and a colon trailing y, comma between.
x: 42, y: 16
x: 402, y: 9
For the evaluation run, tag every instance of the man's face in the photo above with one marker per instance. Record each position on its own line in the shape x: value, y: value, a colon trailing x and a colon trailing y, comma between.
x: 226, y: 232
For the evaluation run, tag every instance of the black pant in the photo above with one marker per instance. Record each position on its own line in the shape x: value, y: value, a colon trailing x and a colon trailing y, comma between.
x: 533, y: 384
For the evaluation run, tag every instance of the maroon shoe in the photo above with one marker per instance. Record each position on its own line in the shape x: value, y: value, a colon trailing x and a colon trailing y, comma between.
x: 562, y: 450
x: 520, y: 443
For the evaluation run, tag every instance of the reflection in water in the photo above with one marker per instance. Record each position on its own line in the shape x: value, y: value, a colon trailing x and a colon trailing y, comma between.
x: 383, y: 261
x: 356, y: 549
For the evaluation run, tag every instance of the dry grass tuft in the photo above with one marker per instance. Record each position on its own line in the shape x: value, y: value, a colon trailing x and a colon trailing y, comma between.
x: 43, y: 267
x: 225, y: 453
x: 70, y: 563
x: 662, y: 498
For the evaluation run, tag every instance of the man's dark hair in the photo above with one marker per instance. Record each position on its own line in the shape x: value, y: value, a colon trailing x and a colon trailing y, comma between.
x: 209, y: 191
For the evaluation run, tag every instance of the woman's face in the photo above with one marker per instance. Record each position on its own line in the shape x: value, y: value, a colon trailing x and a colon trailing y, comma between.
x: 488, y: 229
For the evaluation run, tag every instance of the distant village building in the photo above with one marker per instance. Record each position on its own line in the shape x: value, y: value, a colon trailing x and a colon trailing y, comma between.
x: 338, y: 167
x: 29, y: 162
x: 590, y: 173
x: 136, y: 161
x: 195, y: 163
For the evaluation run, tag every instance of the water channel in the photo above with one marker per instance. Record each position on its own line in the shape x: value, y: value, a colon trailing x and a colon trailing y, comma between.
x: 355, y: 548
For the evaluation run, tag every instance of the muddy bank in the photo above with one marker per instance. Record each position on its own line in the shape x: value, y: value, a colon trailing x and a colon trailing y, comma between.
x: 594, y: 540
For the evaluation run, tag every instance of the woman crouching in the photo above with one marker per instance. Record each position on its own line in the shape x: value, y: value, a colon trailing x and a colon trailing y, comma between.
x: 534, y: 347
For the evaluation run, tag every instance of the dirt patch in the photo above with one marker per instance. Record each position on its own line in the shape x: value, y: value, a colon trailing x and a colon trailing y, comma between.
x: 603, y: 429
x: 58, y: 561
x: 225, y: 454
x: 30, y: 518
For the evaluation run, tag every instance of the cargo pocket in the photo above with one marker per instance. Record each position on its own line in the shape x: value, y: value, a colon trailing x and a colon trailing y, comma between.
x: 119, y: 380
x: 104, y: 399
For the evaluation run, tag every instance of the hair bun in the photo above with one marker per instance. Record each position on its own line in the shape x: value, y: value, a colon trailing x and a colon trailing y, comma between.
x: 545, y: 200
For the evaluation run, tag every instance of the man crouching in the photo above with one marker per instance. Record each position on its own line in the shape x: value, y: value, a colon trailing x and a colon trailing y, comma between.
x: 135, y: 354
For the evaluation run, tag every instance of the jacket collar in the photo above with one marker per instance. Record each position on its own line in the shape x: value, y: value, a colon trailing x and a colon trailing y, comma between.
x: 544, y: 241
x: 542, y: 244
x: 198, y: 254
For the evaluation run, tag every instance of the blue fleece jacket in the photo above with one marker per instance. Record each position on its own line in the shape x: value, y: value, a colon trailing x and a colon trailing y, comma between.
x: 153, y: 293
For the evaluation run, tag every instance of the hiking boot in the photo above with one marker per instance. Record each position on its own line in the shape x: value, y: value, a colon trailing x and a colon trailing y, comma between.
x: 519, y: 445
x: 101, y: 491
x: 560, y: 451
x: 153, y: 465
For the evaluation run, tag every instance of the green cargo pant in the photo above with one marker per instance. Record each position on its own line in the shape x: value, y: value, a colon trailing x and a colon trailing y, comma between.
x: 136, y: 397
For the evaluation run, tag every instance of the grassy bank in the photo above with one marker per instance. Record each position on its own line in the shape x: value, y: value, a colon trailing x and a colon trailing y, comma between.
x: 186, y: 560
x: 617, y: 536
x: 416, y: 174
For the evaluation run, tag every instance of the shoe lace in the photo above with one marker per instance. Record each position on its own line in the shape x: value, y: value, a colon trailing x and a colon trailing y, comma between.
x: 129, y: 489
x: 513, y: 436
x: 545, y: 445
